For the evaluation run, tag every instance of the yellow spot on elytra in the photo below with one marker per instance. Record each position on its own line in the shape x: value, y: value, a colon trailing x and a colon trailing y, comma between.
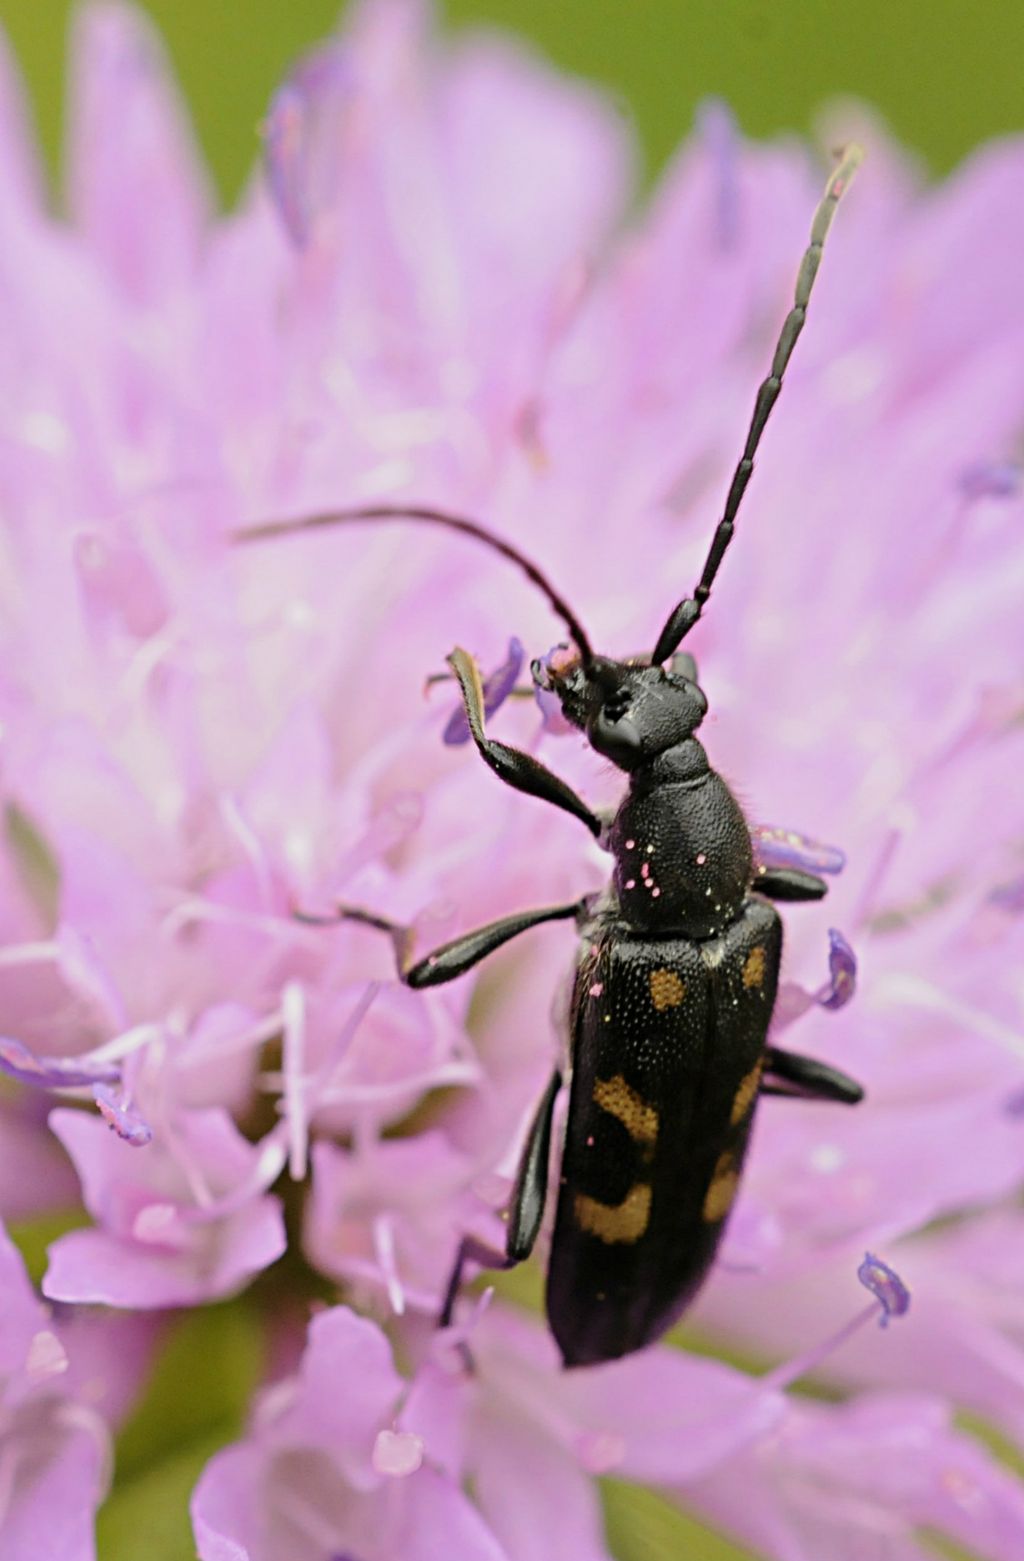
x: 615, y: 1222
x: 722, y: 1190
x: 667, y: 991
x: 620, y: 1100
x: 746, y: 1092
x: 753, y: 969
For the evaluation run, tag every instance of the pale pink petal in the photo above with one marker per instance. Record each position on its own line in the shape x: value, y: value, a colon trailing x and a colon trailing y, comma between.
x: 435, y: 1521
x: 135, y: 186
x: 92, y: 1266
x: 165, y: 1239
x: 344, y: 1348
x: 23, y: 1316
x: 60, y: 1478
x: 21, y: 182
x: 226, y: 1515
x: 535, y: 1496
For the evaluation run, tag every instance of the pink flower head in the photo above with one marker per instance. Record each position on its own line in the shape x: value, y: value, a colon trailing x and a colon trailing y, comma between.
x: 433, y: 294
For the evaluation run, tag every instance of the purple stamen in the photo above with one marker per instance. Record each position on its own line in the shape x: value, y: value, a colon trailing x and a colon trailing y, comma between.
x: 546, y: 671
x: 886, y: 1285
x: 555, y: 664
x: 888, y: 1289
x: 497, y: 687
x: 842, y: 969
x: 1009, y: 896
x: 717, y: 127
x: 301, y: 139
x: 777, y: 847
x: 122, y: 1118
x: 18, y: 1062
x: 990, y: 480
x: 795, y: 1000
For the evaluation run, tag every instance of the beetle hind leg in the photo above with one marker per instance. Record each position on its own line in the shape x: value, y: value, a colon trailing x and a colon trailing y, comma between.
x: 526, y: 1208
x: 805, y: 1078
x: 789, y: 883
x: 471, y: 1250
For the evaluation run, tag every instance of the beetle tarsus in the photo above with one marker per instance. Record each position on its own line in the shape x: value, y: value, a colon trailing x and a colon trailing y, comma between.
x: 471, y: 1250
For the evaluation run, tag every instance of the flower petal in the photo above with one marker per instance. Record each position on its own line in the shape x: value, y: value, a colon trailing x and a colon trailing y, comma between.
x: 136, y: 189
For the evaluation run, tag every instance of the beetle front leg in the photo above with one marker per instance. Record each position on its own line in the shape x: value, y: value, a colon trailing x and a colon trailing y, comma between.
x: 526, y: 1208
x: 805, y: 1078
x: 512, y: 765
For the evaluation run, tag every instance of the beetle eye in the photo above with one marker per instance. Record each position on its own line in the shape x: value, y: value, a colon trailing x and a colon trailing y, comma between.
x: 614, y: 734
x: 615, y: 707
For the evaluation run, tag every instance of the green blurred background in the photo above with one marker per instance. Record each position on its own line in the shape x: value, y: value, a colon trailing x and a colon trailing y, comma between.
x: 945, y: 73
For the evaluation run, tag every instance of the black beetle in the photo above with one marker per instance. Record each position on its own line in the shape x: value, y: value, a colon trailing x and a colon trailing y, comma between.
x: 679, y: 961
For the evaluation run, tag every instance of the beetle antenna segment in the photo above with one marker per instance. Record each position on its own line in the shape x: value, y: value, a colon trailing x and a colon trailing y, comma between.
x: 688, y: 611
x: 415, y: 512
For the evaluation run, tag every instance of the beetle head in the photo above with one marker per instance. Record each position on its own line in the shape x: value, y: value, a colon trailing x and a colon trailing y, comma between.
x: 630, y: 712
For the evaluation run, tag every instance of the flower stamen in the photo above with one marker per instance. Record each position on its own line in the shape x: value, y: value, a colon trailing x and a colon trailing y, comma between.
x: 891, y: 1295
x: 778, y: 847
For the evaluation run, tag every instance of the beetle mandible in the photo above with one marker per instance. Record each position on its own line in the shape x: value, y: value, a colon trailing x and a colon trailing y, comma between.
x: 679, y: 959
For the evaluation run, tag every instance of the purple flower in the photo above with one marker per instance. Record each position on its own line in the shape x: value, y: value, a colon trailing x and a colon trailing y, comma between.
x: 431, y: 293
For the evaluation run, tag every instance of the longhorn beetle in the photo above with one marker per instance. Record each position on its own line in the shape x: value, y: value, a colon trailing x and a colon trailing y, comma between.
x: 678, y: 967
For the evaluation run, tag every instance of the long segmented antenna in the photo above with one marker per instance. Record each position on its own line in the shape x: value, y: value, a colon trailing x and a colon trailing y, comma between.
x: 416, y: 512
x: 687, y: 612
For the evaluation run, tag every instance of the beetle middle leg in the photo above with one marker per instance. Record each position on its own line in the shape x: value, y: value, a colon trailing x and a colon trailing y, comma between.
x: 454, y: 958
